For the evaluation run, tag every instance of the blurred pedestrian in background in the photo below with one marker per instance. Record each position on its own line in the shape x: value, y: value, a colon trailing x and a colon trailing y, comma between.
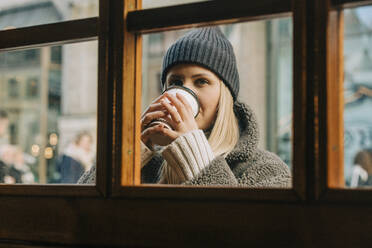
x: 77, y: 158
x: 13, y: 168
x: 362, y: 169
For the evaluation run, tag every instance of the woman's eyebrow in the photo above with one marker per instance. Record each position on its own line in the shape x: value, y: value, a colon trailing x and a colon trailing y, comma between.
x: 176, y: 76
x: 199, y: 75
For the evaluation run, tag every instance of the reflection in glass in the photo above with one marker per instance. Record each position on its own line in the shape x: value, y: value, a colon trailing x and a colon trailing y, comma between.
x: 263, y: 53
x: 23, y: 13
x: 48, y: 111
x: 147, y: 4
x: 358, y: 96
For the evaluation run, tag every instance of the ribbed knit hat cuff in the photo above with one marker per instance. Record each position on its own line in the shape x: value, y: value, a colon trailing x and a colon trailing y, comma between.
x: 209, y: 48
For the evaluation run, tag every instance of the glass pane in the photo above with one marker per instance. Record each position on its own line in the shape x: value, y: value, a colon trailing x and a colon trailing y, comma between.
x: 48, y: 113
x: 148, y: 4
x: 358, y: 96
x: 263, y: 51
x: 23, y: 13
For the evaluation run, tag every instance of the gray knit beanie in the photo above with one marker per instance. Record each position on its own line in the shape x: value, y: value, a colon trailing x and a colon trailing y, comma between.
x: 209, y: 48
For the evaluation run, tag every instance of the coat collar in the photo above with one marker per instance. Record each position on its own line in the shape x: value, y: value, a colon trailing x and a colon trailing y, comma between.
x: 249, y: 135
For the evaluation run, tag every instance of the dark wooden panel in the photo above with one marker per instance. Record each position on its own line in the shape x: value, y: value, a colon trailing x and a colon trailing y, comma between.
x: 302, y: 118
x: 156, y: 191
x: 48, y: 190
x: 105, y: 102
x: 22, y: 244
x: 164, y: 223
x: 116, y: 69
x: 49, y: 34
x: 350, y: 3
x: 316, y: 77
x: 205, y: 13
x: 305, y: 98
x: 348, y: 195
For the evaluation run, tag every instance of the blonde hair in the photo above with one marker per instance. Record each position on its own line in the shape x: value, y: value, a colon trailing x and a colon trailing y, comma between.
x: 225, y: 132
x: 223, y: 137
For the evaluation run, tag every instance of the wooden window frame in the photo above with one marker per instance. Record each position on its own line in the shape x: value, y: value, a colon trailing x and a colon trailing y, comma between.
x: 317, y: 127
x: 138, y: 22
x: 329, y: 174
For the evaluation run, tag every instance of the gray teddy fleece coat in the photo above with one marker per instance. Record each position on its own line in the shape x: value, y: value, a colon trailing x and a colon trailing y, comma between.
x: 246, y: 165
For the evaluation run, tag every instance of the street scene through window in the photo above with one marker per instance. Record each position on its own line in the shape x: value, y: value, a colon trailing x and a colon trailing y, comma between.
x: 358, y: 97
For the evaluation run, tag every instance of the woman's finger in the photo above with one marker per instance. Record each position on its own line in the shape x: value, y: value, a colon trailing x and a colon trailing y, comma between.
x: 155, y: 105
x: 183, y: 112
x: 172, y: 111
x: 145, y: 135
x: 149, y: 117
x: 170, y: 133
x: 159, y: 129
x: 170, y: 121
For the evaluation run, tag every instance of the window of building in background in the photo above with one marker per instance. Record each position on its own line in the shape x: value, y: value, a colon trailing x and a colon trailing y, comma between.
x: 358, y: 96
x: 32, y: 88
x: 13, y: 88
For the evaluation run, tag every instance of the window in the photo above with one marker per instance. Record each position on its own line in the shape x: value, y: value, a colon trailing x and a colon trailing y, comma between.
x: 48, y: 102
x: 60, y: 104
x: 264, y: 60
x: 13, y: 88
x: 357, y: 87
x: 32, y: 89
x: 136, y: 27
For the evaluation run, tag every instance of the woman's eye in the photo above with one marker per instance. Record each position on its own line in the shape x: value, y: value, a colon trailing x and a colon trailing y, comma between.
x: 201, y: 81
x: 176, y: 82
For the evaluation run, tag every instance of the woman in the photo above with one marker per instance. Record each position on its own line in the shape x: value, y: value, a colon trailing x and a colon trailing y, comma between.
x: 219, y: 146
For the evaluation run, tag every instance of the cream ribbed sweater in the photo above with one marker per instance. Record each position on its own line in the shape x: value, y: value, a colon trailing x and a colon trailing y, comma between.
x: 186, y: 156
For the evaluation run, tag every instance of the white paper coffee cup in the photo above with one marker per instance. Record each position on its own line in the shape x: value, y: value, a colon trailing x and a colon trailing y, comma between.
x: 189, y: 95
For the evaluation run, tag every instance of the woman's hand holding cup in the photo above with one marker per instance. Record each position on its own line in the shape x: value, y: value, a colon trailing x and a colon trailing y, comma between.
x: 153, y: 112
x: 176, y: 111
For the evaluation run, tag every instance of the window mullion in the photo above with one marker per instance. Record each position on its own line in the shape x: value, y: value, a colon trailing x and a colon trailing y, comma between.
x: 350, y: 3
x: 49, y: 34
x: 205, y: 13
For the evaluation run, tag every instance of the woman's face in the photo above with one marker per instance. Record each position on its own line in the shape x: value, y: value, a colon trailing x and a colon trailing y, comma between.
x: 85, y: 142
x: 206, y: 86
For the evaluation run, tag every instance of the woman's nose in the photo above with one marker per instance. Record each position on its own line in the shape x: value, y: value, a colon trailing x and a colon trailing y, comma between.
x: 189, y: 84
